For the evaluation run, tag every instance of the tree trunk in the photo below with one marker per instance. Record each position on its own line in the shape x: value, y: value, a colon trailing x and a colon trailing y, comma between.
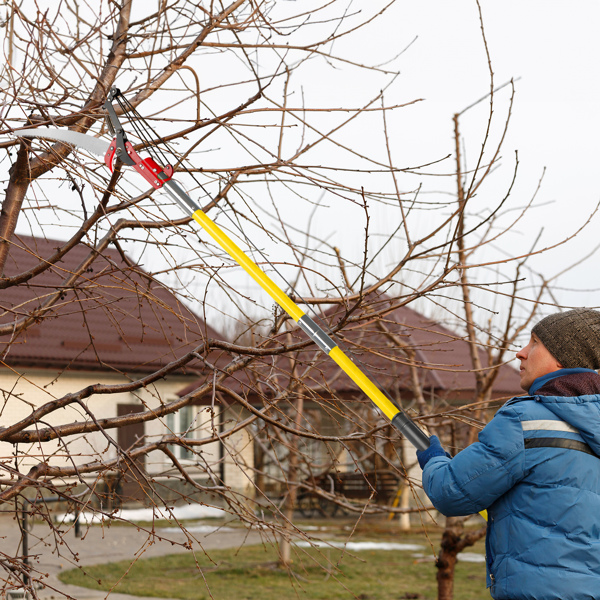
x: 285, y: 545
x: 446, y: 561
x: 454, y: 541
x: 13, y: 200
x: 405, y: 504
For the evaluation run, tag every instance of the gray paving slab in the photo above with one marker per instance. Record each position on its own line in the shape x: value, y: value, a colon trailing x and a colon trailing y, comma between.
x: 102, y: 544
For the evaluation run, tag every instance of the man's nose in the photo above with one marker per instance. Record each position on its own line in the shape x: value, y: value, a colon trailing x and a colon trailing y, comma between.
x: 522, y: 353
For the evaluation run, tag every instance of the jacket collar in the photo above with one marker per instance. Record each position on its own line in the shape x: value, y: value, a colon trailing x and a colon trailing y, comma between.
x: 540, y: 381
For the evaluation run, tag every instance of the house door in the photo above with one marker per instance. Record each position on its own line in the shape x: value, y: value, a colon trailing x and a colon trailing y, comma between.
x: 133, y: 486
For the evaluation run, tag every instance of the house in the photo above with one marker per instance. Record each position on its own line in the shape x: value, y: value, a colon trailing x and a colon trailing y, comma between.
x: 113, y: 326
x: 420, y: 363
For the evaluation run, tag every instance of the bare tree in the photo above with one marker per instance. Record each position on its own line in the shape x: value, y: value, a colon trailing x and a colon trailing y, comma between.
x: 226, y: 90
x: 491, y: 335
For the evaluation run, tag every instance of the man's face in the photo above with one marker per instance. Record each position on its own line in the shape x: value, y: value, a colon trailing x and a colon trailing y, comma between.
x: 536, y: 361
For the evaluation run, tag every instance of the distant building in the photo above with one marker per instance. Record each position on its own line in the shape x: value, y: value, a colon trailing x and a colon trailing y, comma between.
x: 116, y: 326
x: 383, y: 341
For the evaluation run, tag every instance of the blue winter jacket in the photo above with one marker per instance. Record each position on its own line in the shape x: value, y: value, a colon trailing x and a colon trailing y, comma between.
x: 536, y: 469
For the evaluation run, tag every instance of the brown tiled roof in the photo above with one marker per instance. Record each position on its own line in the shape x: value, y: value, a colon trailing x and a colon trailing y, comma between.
x: 443, y: 358
x: 117, y: 318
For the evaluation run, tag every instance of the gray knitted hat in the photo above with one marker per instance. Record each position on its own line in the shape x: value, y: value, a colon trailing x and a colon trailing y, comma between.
x: 572, y: 337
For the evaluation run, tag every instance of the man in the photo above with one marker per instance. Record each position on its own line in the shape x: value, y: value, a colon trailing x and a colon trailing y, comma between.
x: 536, y: 469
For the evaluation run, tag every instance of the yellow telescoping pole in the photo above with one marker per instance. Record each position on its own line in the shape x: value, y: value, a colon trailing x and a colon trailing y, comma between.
x: 396, y: 415
x: 400, y: 420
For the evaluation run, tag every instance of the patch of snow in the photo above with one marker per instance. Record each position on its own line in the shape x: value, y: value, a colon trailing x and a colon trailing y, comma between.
x: 463, y: 556
x: 187, y: 512
x: 471, y: 557
x: 358, y: 546
x: 423, y: 557
x: 198, y: 529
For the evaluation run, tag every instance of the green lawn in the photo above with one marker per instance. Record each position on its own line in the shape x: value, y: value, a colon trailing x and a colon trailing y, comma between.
x: 251, y: 573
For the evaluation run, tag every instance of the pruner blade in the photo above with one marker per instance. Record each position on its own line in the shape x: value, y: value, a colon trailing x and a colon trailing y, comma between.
x: 81, y: 140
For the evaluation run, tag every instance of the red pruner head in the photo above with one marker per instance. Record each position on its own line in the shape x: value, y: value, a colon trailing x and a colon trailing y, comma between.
x: 109, y: 157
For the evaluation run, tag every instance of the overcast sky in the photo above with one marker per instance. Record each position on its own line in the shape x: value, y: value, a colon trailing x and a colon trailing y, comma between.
x: 552, y: 50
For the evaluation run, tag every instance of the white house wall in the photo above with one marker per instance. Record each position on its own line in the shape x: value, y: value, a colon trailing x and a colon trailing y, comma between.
x: 239, y: 455
x: 22, y: 393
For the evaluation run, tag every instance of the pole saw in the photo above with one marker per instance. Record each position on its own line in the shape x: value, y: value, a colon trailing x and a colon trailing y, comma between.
x: 160, y: 176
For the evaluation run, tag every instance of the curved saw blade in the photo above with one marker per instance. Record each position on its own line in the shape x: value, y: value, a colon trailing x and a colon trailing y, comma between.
x: 81, y: 140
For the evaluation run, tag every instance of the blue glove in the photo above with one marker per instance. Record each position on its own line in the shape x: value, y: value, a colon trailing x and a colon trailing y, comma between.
x: 435, y: 449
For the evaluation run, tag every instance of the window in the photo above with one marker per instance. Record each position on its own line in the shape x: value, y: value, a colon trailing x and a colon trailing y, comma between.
x: 182, y: 423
